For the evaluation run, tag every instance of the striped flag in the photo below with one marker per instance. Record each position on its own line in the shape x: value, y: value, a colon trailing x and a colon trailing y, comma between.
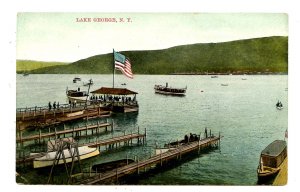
x: 122, y: 63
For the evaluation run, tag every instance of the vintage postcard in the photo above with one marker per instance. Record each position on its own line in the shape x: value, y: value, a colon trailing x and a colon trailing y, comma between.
x: 152, y: 99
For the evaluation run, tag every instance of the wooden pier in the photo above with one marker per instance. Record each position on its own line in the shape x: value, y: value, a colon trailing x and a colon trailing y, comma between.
x: 282, y: 176
x: 157, y: 160
x: 42, y: 116
x: 126, y: 139
x: 109, y: 143
x: 57, y: 134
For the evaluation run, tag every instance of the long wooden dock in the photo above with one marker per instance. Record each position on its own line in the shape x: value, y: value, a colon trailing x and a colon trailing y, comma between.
x: 282, y: 176
x: 118, y: 140
x: 57, y: 134
x: 127, y: 139
x: 160, y: 159
x: 41, y: 116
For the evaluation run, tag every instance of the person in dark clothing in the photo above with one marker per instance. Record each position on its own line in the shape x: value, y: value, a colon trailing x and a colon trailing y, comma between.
x: 186, y: 138
x: 191, y: 137
x: 205, y: 132
x: 49, y: 105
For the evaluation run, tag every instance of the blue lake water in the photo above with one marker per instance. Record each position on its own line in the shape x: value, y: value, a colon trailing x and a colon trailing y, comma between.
x: 244, y: 112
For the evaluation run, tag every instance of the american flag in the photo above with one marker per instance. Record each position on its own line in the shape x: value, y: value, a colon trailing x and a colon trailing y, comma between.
x: 122, y: 63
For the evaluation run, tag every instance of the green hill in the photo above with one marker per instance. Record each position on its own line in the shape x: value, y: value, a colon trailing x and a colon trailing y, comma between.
x: 29, y: 65
x: 259, y: 55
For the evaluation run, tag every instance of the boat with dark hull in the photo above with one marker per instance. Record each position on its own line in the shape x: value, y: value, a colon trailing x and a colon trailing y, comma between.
x: 76, y: 79
x: 108, y: 166
x: 271, y: 159
x: 173, y: 145
x: 166, y: 90
x: 279, y: 105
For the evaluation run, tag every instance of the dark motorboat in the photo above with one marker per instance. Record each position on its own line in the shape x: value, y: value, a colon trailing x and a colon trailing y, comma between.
x: 187, y: 139
x: 271, y: 159
x: 169, y: 90
x: 76, y: 79
x: 108, y: 166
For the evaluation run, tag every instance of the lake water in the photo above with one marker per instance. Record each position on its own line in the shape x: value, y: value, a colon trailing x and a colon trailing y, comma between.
x: 244, y: 112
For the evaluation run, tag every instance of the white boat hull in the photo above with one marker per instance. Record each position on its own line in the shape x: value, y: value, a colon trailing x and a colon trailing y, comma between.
x: 77, y: 99
x: 47, y: 160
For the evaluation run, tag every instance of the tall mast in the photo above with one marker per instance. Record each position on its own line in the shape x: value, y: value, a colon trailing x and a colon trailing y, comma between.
x: 113, y: 68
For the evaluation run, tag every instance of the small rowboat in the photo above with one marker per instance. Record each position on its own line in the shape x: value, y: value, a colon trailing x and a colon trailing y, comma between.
x: 47, y: 160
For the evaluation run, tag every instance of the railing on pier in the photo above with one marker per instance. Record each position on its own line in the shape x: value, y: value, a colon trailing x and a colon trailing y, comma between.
x: 45, y: 110
x: 152, y: 161
x: 117, y: 140
x: 57, y: 134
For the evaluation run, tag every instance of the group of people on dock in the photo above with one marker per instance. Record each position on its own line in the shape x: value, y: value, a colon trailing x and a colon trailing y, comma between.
x: 110, y: 98
x: 55, y: 105
x: 191, y: 138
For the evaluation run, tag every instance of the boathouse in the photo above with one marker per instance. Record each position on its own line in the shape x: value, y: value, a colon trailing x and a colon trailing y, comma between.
x: 120, y: 100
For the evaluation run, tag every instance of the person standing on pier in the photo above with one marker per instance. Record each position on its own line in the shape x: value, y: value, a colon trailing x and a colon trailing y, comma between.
x: 49, y: 105
x: 205, y: 132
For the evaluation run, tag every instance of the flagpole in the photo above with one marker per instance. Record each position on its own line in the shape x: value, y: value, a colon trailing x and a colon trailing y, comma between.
x: 113, y: 68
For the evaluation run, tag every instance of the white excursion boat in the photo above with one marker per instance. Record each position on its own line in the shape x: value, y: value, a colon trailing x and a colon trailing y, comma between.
x: 169, y: 90
x: 47, y: 160
x: 77, y: 95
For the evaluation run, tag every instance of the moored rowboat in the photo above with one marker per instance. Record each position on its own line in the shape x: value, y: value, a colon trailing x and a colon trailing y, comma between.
x: 47, y: 160
x: 271, y: 159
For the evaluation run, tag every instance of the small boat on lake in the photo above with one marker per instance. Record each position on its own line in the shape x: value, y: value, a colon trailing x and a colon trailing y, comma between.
x: 76, y: 79
x: 224, y: 84
x: 47, y: 160
x: 108, y: 166
x: 271, y: 159
x: 77, y: 95
x: 214, y: 76
x: 173, y: 145
x: 279, y: 105
x: 166, y: 90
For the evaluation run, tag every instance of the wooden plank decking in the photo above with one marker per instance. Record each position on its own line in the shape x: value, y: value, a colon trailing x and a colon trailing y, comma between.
x: 157, y: 159
x: 110, y: 141
x: 63, y: 132
x: 282, y: 176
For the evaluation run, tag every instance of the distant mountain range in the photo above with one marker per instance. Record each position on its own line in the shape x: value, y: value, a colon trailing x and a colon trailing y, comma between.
x: 250, y: 56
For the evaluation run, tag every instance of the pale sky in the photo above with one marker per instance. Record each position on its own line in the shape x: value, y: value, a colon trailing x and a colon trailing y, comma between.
x: 58, y: 37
